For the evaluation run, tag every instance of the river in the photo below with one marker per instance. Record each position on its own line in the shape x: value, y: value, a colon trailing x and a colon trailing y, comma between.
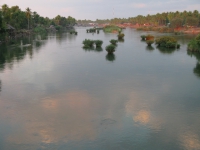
x: 56, y: 95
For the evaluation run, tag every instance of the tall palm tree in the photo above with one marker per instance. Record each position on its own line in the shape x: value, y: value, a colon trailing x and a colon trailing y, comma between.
x: 28, y: 15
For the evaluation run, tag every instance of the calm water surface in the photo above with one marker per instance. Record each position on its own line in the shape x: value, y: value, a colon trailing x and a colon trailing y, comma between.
x: 56, y: 95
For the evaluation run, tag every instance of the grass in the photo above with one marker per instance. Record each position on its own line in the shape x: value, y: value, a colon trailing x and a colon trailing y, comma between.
x: 112, y: 29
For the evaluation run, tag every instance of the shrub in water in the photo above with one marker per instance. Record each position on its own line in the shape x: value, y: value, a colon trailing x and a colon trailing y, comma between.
x: 98, y: 43
x: 149, y: 42
x: 113, y: 41
x: 110, y: 48
x: 88, y: 43
x: 149, y: 37
x: 162, y: 41
x: 194, y: 46
x: 121, y: 35
x: 170, y: 44
x: 143, y: 37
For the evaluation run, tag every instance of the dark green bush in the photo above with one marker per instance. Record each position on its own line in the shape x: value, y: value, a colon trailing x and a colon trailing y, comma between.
x: 194, y: 46
x: 162, y: 41
x: 113, y: 41
x: 197, y: 38
x: 88, y: 43
x: 98, y: 43
x: 170, y: 45
x: 110, y: 48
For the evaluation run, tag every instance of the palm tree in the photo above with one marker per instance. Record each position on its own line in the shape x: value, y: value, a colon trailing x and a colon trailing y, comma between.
x: 28, y: 15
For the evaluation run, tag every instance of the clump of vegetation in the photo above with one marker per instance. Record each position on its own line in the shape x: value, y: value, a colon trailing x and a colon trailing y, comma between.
x: 143, y: 37
x: 166, y: 41
x: 113, y: 41
x: 112, y: 28
x: 98, y: 43
x: 149, y: 42
x: 97, y: 31
x: 73, y: 32
x: 110, y: 48
x: 149, y: 37
x: 170, y: 45
x: 120, y: 35
x: 194, y: 45
x: 88, y: 43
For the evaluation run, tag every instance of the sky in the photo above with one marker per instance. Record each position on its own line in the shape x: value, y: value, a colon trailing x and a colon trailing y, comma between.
x: 103, y: 9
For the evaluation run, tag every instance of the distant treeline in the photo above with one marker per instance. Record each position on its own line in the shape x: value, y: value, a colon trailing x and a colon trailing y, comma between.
x: 27, y: 19
x: 187, y: 18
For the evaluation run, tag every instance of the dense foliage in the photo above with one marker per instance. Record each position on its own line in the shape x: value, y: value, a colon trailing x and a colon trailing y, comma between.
x: 194, y: 44
x: 29, y: 20
x: 186, y: 18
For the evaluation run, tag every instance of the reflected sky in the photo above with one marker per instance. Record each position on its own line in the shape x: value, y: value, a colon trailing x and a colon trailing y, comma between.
x: 64, y: 97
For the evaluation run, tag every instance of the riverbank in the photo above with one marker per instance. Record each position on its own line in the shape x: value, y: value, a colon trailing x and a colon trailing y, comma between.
x: 161, y: 29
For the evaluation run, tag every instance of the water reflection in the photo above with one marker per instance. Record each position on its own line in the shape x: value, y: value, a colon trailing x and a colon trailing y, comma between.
x: 88, y: 49
x: 71, y: 120
x: 16, y: 52
x: 165, y: 50
x: 60, y: 100
x: 196, y: 70
x: 121, y: 40
x: 93, y: 49
x: 98, y: 49
x: 110, y: 57
x: 150, y: 48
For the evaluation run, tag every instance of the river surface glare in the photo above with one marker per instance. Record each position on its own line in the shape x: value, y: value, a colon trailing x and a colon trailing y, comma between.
x: 56, y: 95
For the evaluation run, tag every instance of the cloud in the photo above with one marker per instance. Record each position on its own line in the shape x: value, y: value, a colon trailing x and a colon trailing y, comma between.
x: 138, y: 5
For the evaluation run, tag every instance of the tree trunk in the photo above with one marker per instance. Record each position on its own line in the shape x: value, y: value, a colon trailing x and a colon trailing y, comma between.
x: 28, y: 23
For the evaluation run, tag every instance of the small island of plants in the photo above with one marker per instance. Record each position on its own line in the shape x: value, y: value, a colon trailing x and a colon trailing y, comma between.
x: 90, y: 43
x: 167, y: 41
x: 112, y: 29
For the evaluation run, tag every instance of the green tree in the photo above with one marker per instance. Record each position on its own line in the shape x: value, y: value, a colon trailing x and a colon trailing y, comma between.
x: 28, y: 15
x: 192, y: 21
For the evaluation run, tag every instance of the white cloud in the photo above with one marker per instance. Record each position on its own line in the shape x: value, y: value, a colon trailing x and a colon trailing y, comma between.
x: 138, y: 5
